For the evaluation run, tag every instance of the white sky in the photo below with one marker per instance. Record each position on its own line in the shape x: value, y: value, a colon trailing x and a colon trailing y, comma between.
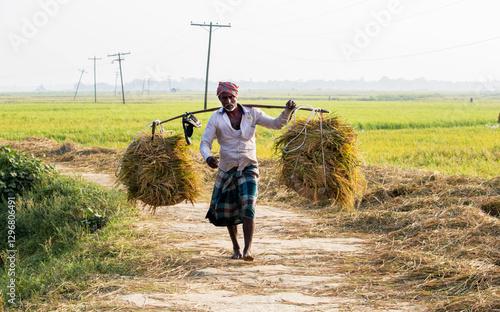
x: 47, y: 41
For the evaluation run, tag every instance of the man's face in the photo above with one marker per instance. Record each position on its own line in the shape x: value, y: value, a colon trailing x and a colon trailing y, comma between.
x: 228, y: 101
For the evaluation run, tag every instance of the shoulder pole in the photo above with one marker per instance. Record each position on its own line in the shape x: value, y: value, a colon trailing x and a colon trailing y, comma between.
x: 247, y: 105
x: 217, y: 108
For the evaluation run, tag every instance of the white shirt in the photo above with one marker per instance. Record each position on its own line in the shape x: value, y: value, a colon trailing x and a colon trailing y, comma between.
x: 237, y: 147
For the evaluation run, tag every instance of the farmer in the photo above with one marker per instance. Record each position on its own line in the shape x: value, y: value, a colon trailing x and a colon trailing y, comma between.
x: 235, y: 190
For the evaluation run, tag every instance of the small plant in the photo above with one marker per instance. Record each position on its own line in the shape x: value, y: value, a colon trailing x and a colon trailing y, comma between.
x: 18, y: 171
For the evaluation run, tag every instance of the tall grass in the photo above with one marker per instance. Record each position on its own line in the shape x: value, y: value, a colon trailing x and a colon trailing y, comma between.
x: 54, y: 222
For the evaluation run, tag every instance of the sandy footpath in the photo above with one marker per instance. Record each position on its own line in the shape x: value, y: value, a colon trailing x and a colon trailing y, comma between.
x: 292, y: 270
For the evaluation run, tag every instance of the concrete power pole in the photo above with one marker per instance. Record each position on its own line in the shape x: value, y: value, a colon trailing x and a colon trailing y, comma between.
x: 211, y: 25
x: 95, y: 84
x: 120, y: 59
x: 78, y: 85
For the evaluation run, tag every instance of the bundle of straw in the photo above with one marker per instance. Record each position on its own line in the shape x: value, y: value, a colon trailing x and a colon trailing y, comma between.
x: 159, y: 171
x: 319, y: 160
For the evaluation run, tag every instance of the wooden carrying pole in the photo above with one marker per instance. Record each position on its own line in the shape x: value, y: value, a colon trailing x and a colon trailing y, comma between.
x: 247, y: 105
x: 321, y: 110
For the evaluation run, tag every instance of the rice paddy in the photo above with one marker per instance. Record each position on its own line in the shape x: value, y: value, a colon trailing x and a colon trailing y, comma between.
x: 436, y: 132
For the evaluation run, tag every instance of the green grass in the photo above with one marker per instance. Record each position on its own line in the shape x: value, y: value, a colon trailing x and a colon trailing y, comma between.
x: 471, y: 151
x: 57, y: 240
x: 442, y: 132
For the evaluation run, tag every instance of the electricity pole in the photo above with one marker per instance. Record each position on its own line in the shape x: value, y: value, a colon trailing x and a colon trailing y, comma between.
x: 120, y: 59
x: 208, y: 59
x: 78, y: 85
x: 95, y: 85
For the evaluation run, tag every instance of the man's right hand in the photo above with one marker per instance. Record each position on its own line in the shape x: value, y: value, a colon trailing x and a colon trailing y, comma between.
x: 213, y: 162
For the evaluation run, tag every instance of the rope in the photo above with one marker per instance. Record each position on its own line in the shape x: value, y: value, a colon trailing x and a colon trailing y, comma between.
x: 143, y: 133
x: 322, y: 148
x: 314, y: 113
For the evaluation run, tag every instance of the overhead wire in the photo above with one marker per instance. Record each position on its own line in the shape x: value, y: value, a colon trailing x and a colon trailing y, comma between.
x: 314, y: 16
x: 309, y: 35
x: 378, y: 58
x: 268, y: 9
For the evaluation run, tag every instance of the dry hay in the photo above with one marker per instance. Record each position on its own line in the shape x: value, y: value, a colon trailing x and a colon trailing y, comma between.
x: 319, y: 160
x: 66, y: 148
x: 159, y: 172
x: 434, y: 237
x: 97, y: 159
x: 492, y: 207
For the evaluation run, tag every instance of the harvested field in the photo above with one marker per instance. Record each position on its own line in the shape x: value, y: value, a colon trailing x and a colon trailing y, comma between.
x: 437, y: 236
x: 430, y: 239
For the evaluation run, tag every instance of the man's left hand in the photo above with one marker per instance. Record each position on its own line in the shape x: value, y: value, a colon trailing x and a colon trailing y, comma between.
x: 291, y: 105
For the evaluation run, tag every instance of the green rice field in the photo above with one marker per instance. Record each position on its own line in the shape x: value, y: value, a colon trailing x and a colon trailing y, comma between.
x: 437, y: 132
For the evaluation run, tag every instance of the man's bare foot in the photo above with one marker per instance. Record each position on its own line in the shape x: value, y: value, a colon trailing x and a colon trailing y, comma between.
x: 247, y: 257
x: 236, y: 255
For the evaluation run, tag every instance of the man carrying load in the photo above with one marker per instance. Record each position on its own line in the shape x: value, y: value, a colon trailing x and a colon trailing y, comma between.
x: 235, y: 190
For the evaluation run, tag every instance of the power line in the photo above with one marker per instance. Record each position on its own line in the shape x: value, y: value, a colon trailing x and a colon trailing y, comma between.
x: 347, y: 30
x: 317, y: 15
x: 120, y: 59
x: 429, y: 52
x: 211, y: 25
x: 177, y: 34
x: 267, y: 9
x: 95, y: 84
x: 374, y: 59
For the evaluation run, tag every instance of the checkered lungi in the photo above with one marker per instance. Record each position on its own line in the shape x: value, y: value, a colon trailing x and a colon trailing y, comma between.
x: 234, y: 196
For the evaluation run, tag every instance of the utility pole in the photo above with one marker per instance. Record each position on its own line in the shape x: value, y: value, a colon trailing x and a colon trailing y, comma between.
x: 78, y: 85
x: 208, y: 58
x: 95, y: 84
x: 120, y: 59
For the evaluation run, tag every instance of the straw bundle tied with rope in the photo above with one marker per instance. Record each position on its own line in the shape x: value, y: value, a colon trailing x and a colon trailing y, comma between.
x: 319, y: 159
x: 158, y: 170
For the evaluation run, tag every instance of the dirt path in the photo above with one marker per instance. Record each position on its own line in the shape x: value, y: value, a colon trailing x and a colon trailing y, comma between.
x: 294, y: 270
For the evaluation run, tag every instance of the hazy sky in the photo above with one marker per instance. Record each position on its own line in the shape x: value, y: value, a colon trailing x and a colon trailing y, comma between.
x: 48, y: 41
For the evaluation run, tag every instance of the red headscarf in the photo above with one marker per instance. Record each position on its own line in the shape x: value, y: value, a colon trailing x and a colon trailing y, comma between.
x: 228, y: 87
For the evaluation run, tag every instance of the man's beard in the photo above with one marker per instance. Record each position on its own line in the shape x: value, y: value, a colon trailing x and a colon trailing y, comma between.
x: 230, y: 107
